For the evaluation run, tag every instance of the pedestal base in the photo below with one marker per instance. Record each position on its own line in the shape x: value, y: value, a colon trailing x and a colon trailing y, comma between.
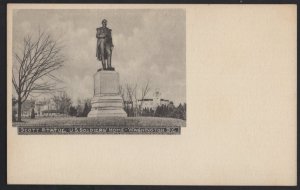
x: 107, y: 101
x: 107, y: 113
x: 107, y: 106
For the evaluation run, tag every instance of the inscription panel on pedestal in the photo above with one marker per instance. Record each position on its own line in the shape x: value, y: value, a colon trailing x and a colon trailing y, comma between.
x: 106, y: 82
x: 109, y: 83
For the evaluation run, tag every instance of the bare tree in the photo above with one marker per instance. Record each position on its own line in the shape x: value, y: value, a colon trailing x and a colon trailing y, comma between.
x: 145, y: 91
x: 134, y: 95
x: 63, y: 102
x: 34, y: 66
x: 122, y: 93
x: 131, y: 91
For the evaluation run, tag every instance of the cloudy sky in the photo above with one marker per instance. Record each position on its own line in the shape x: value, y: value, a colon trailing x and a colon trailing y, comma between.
x: 149, y: 45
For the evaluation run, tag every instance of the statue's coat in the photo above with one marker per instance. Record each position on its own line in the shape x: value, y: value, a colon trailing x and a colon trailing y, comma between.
x: 103, y: 34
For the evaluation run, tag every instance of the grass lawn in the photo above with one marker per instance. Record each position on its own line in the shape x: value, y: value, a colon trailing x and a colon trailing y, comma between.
x: 102, y: 122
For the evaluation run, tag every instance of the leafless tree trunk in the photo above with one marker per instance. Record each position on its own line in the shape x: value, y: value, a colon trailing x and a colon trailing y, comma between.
x: 135, y: 95
x: 122, y: 93
x: 39, y: 58
x: 145, y: 91
x: 131, y: 90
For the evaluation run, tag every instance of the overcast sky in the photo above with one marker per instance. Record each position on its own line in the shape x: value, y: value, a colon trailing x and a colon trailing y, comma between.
x: 149, y: 45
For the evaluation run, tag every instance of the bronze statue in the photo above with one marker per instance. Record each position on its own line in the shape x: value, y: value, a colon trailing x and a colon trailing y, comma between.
x: 104, y: 46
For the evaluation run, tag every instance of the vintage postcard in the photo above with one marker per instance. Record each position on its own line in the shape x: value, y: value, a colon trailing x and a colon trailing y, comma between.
x: 152, y: 94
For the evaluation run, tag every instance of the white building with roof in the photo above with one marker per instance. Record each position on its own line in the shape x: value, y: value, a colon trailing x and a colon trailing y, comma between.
x: 154, y: 102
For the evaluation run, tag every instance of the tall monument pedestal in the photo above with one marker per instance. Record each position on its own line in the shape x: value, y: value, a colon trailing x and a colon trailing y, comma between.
x: 107, y: 100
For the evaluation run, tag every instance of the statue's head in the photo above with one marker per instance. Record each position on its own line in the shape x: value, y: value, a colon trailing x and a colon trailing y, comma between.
x: 104, y: 22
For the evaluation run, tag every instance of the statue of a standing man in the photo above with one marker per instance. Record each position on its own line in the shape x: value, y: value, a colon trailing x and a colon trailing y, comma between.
x: 104, y: 46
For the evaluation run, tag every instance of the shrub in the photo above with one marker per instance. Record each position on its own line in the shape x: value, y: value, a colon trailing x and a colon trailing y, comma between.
x: 32, y: 114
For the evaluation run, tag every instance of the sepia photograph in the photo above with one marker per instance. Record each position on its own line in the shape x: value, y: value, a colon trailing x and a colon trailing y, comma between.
x: 99, y: 71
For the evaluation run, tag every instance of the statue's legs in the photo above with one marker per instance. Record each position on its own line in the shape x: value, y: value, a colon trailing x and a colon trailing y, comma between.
x: 109, y: 61
x: 103, y: 63
x: 108, y: 51
x: 102, y: 51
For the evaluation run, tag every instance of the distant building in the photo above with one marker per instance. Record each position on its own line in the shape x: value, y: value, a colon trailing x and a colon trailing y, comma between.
x: 153, y: 103
x: 46, y: 107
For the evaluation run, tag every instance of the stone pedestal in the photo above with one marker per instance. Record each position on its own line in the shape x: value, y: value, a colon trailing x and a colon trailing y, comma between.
x: 107, y: 100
